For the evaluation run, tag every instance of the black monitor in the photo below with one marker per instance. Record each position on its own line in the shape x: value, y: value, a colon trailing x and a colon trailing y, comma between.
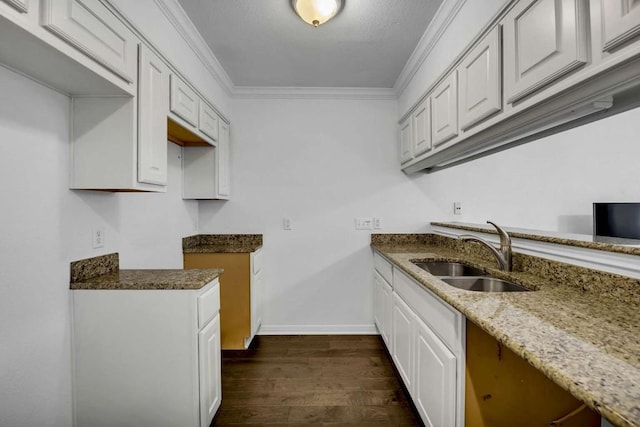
x: 617, y: 220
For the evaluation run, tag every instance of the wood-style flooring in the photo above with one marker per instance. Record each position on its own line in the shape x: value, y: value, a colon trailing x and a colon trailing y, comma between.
x: 313, y: 381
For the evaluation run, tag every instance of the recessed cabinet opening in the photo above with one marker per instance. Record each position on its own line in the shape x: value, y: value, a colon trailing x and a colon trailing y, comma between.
x: 184, y: 137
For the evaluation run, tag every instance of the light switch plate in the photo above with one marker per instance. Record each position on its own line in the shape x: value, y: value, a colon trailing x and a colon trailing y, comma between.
x: 364, y: 223
x: 98, y: 236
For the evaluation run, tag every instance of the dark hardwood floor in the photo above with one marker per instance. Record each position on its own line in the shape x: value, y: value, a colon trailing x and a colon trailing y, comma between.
x: 313, y: 381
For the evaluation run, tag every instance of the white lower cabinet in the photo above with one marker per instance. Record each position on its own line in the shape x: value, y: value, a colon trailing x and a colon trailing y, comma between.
x: 383, y: 307
x: 402, y: 342
x: 435, y: 378
x: 427, y: 346
x: 146, y: 357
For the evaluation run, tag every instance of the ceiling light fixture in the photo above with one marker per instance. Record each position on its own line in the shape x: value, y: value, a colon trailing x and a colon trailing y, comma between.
x: 316, y: 12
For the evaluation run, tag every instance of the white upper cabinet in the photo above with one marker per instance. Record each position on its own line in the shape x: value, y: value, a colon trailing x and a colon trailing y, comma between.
x: 543, y: 40
x: 444, y: 110
x: 406, y: 153
x: 421, y: 140
x: 91, y: 28
x: 206, y: 170
x: 223, y: 160
x: 20, y: 5
x: 480, y: 76
x: 184, y: 101
x: 153, y: 99
x: 208, y: 123
x: 620, y: 22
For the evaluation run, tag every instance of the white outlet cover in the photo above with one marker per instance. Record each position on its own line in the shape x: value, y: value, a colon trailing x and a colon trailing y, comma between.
x: 98, y: 237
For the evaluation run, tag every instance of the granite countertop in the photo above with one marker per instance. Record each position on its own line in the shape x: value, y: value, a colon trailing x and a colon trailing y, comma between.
x: 222, y: 243
x: 589, y: 241
x: 103, y: 273
x: 579, y: 327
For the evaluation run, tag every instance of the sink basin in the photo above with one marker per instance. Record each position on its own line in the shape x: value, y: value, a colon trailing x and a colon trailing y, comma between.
x: 483, y: 284
x: 449, y: 269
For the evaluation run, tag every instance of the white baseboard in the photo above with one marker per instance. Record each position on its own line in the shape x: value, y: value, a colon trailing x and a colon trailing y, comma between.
x: 318, y: 330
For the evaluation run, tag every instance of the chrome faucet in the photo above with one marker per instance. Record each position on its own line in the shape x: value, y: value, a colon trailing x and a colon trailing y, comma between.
x: 503, y: 255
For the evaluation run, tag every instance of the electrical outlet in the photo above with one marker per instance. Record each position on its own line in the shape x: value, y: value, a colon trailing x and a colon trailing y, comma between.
x: 377, y: 223
x: 457, y: 208
x: 286, y: 223
x: 98, y: 237
x: 364, y: 223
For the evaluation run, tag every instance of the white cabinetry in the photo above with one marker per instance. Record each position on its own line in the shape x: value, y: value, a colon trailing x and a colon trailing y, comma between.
x: 406, y: 152
x: 383, y: 294
x: 20, y: 5
x: 91, y: 28
x: 206, y: 171
x: 402, y: 331
x: 208, y: 121
x: 107, y: 151
x: 481, y: 81
x: 256, y: 293
x: 435, y: 383
x: 543, y: 40
x: 421, y: 140
x: 184, y: 101
x: 146, y: 357
x: 444, y: 110
x: 210, y: 371
x: 620, y: 22
x: 426, y: 344
x: 152, y: 118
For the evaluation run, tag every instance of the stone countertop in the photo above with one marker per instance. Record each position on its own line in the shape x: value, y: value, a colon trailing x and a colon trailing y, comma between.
x: 150, y: 280
x: 222, y: 243
x: 589, y: 241
x: 585, y: 339
x: 103, y: 272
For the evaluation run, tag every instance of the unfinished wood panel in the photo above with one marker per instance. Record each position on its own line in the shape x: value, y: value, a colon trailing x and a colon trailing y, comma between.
x: 235, y: 289
x: 503, y: 390
x: 184, y: 137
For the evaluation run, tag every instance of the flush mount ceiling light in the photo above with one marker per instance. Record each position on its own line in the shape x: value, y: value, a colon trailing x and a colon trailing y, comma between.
x: 316, y: 12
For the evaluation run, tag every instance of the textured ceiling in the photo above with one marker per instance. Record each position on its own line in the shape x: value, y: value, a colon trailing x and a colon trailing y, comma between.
x: 264, y: 43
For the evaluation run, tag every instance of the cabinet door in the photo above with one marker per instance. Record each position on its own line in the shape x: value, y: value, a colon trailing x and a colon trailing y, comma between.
x: 421, y: 141
x: 90, y: 27
x: 481, y: 81
x: 210, y: 371
x: 184, y: 101
x: 435, y: 379
x: 543, y: 40
x: 20, y: 5
x: 223, y: 167
x: 405, y: 140
x: 387, y: 321
x: 402, y: 341
x: 444, y: 110
x: 378, y: 302
x: 208, y: 123
x: 620, y: 22
x: 153, y: 100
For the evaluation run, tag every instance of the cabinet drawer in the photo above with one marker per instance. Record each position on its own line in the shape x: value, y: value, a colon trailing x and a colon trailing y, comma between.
x: 90, y: 27
x: 383, y: 267
x: 208, y: 304
x: 184, y: 101
x: 445, y: 321
x: 257, y: 261
x: 208, y: 123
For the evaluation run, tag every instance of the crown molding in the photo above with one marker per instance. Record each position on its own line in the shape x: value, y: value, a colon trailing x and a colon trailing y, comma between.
x: 356, y: 93
x: 187, y: 30
x: 446, y: 13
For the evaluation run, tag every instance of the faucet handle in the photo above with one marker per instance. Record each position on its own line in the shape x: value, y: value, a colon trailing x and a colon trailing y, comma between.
x: 505, y: 239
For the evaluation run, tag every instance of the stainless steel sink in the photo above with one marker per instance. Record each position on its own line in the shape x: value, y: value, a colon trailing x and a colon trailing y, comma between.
x: 483, y: 284
x: 449, y: 269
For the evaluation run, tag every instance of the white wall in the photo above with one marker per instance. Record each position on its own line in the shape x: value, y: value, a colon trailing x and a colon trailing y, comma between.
x: 321, y: 163
x: 44, y: 227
